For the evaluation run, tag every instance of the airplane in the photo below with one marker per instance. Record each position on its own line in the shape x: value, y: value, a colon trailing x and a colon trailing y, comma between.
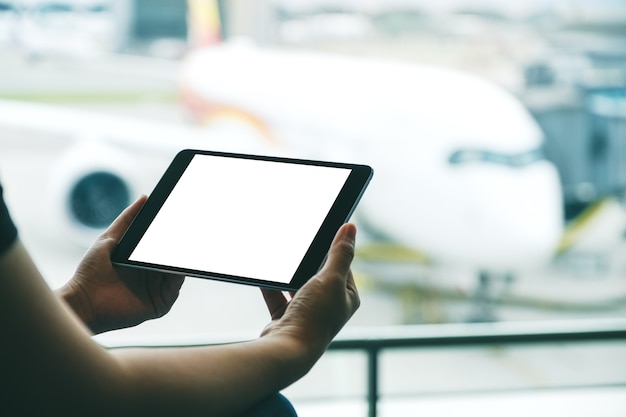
x: 460, y: 175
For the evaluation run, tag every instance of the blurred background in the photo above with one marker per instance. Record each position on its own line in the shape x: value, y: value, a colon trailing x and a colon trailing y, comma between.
x: 496, y: 129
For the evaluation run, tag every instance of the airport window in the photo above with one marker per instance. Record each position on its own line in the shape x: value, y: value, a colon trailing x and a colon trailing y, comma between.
x: 496, y: 131
x: 519, y: 160
x: 160, y: 19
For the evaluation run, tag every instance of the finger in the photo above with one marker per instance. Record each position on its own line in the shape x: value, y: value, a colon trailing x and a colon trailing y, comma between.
x: 119, y: 226
x: 275, y: 301
x: 171, y: 286
x: 170, y: 289
x: 341, y: 251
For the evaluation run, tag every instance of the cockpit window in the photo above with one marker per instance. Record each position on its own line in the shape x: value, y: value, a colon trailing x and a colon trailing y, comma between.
x: 516, y: 160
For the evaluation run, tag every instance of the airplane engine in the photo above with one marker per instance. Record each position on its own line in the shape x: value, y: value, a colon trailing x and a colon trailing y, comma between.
x: 90, y: 186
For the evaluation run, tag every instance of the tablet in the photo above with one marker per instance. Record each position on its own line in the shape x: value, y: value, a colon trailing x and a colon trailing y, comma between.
x: 257, y: 220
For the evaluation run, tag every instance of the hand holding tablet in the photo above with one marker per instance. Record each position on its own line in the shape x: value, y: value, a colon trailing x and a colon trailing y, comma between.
x: 257, y: 220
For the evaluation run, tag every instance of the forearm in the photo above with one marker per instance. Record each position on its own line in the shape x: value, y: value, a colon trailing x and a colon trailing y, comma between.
x: 49, y: 356
x: 217, y: 380
x: 55, y: 362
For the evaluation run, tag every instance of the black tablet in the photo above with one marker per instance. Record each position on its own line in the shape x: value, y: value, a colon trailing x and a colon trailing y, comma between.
x: 257, y: 220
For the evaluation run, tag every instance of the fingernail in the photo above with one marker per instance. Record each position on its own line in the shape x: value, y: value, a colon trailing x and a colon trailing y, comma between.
x: 350, y: 231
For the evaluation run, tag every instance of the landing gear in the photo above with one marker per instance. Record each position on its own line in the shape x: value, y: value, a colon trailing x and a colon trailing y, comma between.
x: 484, y: 301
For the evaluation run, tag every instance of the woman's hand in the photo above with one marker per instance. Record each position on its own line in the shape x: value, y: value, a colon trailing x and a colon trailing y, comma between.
x: 323, y: 305
x: 107, y: 297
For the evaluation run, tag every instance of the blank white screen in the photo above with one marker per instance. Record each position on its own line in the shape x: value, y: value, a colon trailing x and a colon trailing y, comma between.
x: 241, y: 217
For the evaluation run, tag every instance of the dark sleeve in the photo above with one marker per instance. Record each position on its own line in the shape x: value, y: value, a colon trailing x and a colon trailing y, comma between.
x: 8, y: 231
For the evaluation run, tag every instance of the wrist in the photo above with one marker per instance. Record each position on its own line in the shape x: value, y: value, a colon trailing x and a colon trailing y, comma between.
x: 297, y: 353
x: 78, y: 301
x: 288, y: 359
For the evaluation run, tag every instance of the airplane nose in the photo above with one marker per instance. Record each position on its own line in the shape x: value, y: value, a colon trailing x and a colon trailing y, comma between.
x: 523, y: 221
x: 482, y: 216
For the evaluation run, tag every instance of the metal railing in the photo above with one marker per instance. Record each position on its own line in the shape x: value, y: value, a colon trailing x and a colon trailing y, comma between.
x: 374, y: 340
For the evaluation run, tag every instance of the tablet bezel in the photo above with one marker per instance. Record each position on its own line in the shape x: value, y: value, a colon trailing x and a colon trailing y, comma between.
x: 340, y: 212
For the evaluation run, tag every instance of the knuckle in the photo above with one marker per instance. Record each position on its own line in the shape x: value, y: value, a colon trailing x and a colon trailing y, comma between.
x: 346, y: 250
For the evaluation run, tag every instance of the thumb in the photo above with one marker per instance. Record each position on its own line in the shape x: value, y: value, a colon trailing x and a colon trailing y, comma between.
x: 170, y: 288
x: 341, y: 251
x: 119, y: 226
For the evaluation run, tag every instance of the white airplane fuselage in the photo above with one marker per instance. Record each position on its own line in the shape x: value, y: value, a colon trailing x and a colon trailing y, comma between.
x: 496, y: 204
